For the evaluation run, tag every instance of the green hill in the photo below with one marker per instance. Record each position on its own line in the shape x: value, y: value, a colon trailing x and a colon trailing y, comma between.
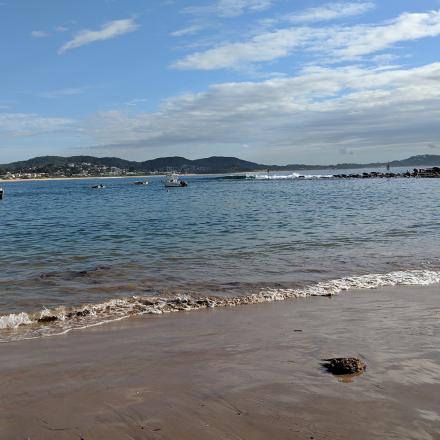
x: 214, y: 164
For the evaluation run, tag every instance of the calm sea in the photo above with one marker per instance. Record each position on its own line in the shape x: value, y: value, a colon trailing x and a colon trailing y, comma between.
x: 64, y: 244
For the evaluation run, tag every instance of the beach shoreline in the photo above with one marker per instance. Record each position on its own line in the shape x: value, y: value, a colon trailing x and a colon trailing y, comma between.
x: 243, y: 372
x: 45, y: 179
x: 49, y: 179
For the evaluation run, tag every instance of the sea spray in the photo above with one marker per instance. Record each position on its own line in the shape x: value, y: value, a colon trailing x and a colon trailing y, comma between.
x: 14, y: 320
x: 293, y: 176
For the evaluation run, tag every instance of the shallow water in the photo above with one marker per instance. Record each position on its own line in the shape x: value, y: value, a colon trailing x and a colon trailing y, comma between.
x: 64, y: 244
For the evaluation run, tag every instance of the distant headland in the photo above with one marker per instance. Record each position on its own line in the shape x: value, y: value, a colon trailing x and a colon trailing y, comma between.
x: 90, y: 166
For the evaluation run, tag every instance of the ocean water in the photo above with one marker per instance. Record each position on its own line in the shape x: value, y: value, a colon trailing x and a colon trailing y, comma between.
x: 73, y: 256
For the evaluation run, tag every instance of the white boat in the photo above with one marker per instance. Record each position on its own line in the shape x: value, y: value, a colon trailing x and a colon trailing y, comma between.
x: 173, y: 181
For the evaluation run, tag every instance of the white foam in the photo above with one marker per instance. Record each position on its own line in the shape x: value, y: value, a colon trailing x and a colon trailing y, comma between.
x: 14, y: 320
x: 120, y: 308
x: 262, y: 176
x: 370, y: 281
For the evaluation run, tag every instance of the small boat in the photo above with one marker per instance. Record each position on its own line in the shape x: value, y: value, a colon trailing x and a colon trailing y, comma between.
x: 100, y: 186
x: 141, y: 182
x: 173, y: 181
x: 1, y: 193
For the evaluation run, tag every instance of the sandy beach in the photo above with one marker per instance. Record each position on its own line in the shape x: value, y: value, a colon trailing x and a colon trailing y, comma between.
x: 247, y: 372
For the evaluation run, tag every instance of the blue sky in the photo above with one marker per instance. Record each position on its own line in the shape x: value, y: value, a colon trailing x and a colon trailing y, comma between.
x: 274, y: 81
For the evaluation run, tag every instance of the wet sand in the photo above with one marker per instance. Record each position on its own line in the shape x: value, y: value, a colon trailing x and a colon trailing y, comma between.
x: 248, y: 372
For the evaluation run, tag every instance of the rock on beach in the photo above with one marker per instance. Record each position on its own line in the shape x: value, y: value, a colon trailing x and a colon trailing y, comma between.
x: 344, y: 365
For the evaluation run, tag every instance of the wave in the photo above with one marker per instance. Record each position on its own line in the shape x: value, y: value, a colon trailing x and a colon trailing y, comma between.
x: 267, y: 176
x: 271, y: 176
x: 14, y: 320
x: 61, y: 320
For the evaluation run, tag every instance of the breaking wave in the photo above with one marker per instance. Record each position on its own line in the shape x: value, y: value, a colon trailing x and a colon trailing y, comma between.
x: 272, y: 176
x: 62, y: 320
x: 268, y: 176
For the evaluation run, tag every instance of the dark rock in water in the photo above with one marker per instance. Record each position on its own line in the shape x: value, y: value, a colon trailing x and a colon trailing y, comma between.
x: 347, y: 365
x: 48, y: 319
x: 427, y: 173
x: 78, y: 314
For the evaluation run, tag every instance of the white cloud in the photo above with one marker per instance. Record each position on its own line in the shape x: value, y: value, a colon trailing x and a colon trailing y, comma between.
x: 331, y: 11
x: 230, y: 8
x: 264, y: 47
x: 190, y: 30
x: 109, y: 30
x: 59, y: 93
x: 321, y: 110
x: 136, y: 101
x: 361, y: 40
x: 39, y: 34
x: 30, y: 124
x: 336, y: 42
x: 61, y: 29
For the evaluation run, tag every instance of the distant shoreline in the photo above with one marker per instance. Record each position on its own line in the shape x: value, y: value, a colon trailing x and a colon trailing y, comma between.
x: 42, y: 179
x: 208, y: 165
x: 143, y: 176
x: 421, y: 172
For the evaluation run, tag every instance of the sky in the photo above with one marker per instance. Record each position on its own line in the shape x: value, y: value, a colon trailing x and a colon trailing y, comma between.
x: 271, y: 81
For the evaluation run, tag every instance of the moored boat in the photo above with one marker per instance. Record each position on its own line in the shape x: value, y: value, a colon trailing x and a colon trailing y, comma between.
x: 173, y: 181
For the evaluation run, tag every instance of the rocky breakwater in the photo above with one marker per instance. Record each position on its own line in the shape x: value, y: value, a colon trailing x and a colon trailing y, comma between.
x: 421, y: 173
